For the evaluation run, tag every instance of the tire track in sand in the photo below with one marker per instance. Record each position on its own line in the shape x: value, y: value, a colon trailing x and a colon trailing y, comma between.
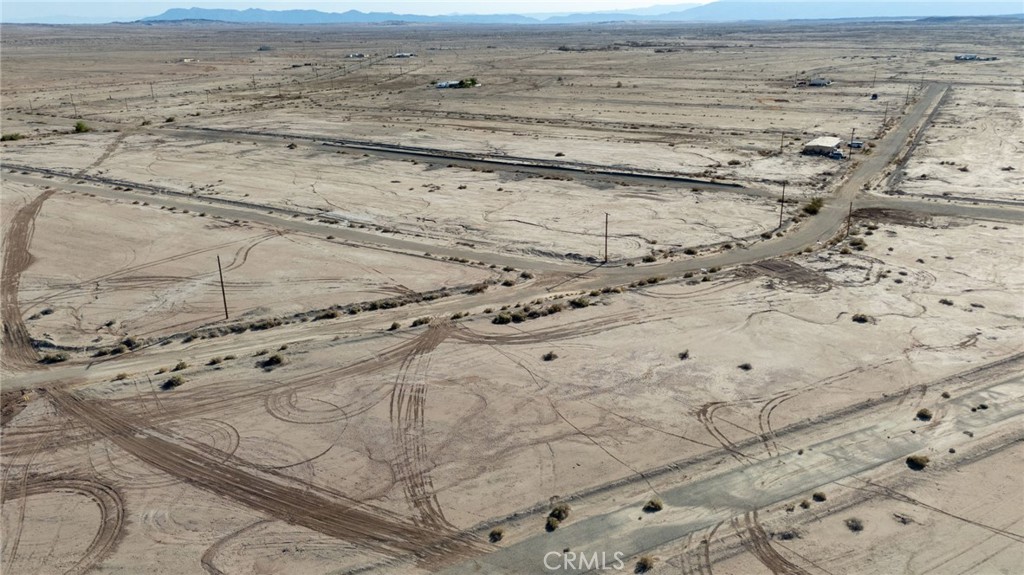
x: 276, y: 495
x: 408, y: 404
x: 111, y: 513
x: 17, y: 344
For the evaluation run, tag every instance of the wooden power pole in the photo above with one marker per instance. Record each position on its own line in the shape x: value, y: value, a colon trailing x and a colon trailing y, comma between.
x: 223, y: 294
x: 606, y: 237
x: 782, y: 204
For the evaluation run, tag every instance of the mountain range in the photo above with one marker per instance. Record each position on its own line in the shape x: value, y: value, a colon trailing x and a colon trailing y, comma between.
x: 720, y: 11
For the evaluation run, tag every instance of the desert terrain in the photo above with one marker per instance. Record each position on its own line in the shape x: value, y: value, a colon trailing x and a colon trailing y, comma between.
x: 275, y: 303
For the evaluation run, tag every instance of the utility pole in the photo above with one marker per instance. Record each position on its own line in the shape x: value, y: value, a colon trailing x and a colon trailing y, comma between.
x: 907, y: 99
x: 873, y: 78
x: 30, y: 110
x: 152, y: 92
x: 254, y: 81
x: 886, y: 117
x: 782, y: 141
x: 849, y: 221
x: 852, y: 131
x: 782, y: 204
x: 606, y: 237
x: 73, y: 104
x: 223, y: 294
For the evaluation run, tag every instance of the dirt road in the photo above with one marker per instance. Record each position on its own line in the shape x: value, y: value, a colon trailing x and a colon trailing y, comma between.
x: 18, y: 352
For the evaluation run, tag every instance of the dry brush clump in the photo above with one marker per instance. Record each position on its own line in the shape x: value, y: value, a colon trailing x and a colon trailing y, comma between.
x: 918, y: 462
x: 854, y: 524
x: 496, y: 535
x: 924, y: 414
x: 51, y: 358
x: 644, y: 564
x: 654, y: 505
x: 172, y: 383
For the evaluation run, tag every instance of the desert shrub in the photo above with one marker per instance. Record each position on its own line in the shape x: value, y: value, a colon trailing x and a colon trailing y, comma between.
x: 118, y: 350
x: 169, y: 119
x: 478, y: 288
x: 54, y: 358
x: 945, y: 395
x: 734, y: 162
x: 394, y: 326
x: 945, y: 301
x: 11, y: 137
x: 551, y: 524
x: 918, y: 462
x: 814, y: 206
x: 420, y: 321
x: 854, y: 524
x: 230, y: 357
x: 684, y: 355
x: 690, y: 252
x: 644, y: 564
x: 526, y: 275
x: 215, y: 361
x: 180, y: 366
x: 805, y: 504
x: 261, y: 352
x: 508, y: 269
x: 508, y: 282
x: 649, y: 259
x: 502, y: 318
x: 518, y: 317
x: 860, y: 318
x: 121, y: 376
x: 549, y: 356
x: 173, y: 382
x: 555, y: 308
x: 819, y: 496
x: 81, y: 127
x: 329, y: 314
x: 924, y: 414
x: 745, y: 366
x: 496, y: 534
x: 560, y: 511
x: 653, y: 506
x: 272, y: 361
x: 579, y: 302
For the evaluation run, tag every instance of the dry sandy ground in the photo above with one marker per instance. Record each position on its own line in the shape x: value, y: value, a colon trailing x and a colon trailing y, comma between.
x: 337, y: 444
x: 443, y: 205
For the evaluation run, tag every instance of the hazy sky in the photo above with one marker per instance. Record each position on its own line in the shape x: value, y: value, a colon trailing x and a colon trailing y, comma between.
x: 92, y: 11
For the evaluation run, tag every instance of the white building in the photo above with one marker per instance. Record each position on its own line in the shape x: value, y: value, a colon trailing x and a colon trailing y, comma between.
x: 824, y: 145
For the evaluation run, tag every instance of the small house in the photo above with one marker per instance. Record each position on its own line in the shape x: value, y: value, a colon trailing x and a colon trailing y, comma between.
x: 824, y: 146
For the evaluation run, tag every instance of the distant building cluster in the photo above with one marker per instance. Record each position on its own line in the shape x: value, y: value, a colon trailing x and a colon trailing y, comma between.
x: 974, y: 58
x: 403, y: 55
x: 467, y: 83
x: 356, y: 55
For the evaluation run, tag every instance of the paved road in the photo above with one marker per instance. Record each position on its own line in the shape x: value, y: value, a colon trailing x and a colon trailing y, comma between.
x: 699, y: 505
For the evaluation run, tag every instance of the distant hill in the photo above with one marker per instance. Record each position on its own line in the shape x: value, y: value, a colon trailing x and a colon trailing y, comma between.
x: 720, y: 11
x: 260, y: 16
x: 740, y: 10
